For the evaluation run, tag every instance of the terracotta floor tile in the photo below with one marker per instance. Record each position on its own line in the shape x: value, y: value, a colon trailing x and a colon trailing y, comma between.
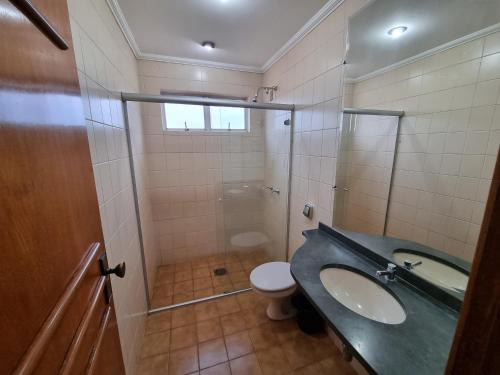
x: 238, y: 344
x: 167, y: 268
x: 203, y: 283
x: 163, y: 290
x: 221, y: 369
x: 247, y: 300
x: 199, y: 263
x: 159, y: 322
x: 273, y: 361
x: 228, y: 305
x: 183, y: 337
x: 185, y: 297
x: 155, y: 365
x: 323, y: 347
x: 182, y: 266
x: 204, y: 293
x: 247, y: 365
x: 206, y: 310
x: 234, y: 267
x: 298, y: 352
x: 233, y: 323
x: 285, y: 330
x: 183, y: 316
x: 208, y: 329
x: 223, y: 289
x: 201, y: 272
x: 241, y: 285
x: 215, y: 259
x: 238, y: 276
x: 256, y: 317
x: 219, y: 281
x: 183, y: 275
x: 156, y: 343
x: 165, y: 278
x: 183, y: 361
x: 183, y: 287
x: 337, y: 365
x: 212, y: 353
x: 161, y: 302
x: 263, y: 337
x: 312, y: 369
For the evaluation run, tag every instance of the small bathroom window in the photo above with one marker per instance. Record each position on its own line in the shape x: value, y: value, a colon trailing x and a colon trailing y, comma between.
x: 186, y: 117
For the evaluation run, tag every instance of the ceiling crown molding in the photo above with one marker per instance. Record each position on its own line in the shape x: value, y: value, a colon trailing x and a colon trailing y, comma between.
x: 324, y: 12
x: 328, y: 8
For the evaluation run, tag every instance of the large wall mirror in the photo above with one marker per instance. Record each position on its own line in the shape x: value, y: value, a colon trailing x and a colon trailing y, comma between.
x: 422, y: 176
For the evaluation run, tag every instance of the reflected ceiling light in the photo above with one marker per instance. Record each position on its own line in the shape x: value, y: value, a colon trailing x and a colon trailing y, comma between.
x: 396, y: 32
x: 208, y: 45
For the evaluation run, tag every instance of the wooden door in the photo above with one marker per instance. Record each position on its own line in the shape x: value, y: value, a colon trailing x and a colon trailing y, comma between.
x: 56, y: 309
x: 476, y: 345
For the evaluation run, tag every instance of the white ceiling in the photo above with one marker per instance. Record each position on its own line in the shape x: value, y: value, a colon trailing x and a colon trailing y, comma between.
x: 247, y: 33
x: 431, y: 25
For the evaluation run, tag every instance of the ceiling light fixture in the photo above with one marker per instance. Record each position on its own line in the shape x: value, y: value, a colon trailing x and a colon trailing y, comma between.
x: 396, y: 32
x: 208, y: 45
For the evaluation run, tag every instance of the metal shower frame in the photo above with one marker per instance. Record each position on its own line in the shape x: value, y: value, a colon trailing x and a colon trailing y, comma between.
x: 149, y: 98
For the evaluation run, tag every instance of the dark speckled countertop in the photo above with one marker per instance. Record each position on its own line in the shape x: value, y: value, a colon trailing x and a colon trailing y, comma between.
x: 419, y: 345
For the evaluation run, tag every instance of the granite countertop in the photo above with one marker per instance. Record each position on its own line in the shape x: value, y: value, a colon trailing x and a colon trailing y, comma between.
x: 419, y: 345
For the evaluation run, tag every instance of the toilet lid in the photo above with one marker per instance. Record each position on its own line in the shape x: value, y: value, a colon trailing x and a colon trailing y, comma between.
x: 272, y: 277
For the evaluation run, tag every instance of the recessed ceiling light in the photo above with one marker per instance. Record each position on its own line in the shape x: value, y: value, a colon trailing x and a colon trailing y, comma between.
x: 396, y: 32
x: 208, y: 45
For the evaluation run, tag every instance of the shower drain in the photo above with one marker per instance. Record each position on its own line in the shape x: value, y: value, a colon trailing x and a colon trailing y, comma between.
x: 220, y: 271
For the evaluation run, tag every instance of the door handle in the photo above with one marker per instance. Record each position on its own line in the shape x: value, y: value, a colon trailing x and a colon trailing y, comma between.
x: 118, y: 270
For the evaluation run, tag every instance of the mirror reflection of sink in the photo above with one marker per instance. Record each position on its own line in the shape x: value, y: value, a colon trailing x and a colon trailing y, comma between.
x: 362, y: 295
x: 433, y: 270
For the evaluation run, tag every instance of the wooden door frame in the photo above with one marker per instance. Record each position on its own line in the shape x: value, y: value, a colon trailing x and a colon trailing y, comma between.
x: 476, y: 345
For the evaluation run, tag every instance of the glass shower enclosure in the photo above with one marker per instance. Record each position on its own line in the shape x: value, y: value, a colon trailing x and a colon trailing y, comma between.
x: 222, y: 209
x: 364, y: 169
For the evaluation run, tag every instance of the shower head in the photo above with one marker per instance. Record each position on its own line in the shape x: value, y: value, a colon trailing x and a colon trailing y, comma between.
x: 269, y: 91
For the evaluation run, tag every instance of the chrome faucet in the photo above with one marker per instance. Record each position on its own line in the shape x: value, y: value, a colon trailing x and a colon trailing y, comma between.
x: 389, y: 273
x: 409, y: 265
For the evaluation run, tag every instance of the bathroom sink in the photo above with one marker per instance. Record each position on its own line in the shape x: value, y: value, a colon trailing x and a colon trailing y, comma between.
x: 438, y: 273
x: 362, y: 295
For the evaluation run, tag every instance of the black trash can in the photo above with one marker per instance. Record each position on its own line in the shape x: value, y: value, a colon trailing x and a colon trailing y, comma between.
x: 308, y: 320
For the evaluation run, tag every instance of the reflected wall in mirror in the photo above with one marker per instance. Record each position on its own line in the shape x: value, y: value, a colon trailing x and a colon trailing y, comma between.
x: 364, y: 171
x: 443, y: 70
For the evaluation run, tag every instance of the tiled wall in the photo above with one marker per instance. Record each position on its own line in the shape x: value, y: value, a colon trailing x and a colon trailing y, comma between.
x: 310, y: 76
x: 187, y: 171
x: 106, y: 65
x: 448, y: 143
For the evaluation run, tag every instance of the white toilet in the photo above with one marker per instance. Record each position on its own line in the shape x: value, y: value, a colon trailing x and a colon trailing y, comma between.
x: 274, y: 280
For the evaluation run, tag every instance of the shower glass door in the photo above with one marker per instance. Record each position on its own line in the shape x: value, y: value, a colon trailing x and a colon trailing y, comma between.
x: 227, y: 197
x: 252, y: 207
x: 364, y: 172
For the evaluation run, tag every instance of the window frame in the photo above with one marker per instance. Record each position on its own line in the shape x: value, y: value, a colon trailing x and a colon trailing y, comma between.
x: 206, y: 121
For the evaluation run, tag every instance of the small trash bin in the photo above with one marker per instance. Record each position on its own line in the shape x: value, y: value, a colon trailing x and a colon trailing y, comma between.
x: 308, y: 319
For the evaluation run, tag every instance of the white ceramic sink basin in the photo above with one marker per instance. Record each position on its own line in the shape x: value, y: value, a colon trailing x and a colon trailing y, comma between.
x: 362, y: 295
x: 434, y: 271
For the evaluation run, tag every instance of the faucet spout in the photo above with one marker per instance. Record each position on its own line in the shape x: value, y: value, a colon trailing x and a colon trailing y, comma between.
x: 389, y: 273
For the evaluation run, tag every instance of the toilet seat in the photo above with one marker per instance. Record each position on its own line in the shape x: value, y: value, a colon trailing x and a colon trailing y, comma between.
x: 272, y: 277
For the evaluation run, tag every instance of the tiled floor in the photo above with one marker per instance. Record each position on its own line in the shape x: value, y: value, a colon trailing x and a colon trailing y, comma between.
x: 232, y: 335
x: 186, y: 281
